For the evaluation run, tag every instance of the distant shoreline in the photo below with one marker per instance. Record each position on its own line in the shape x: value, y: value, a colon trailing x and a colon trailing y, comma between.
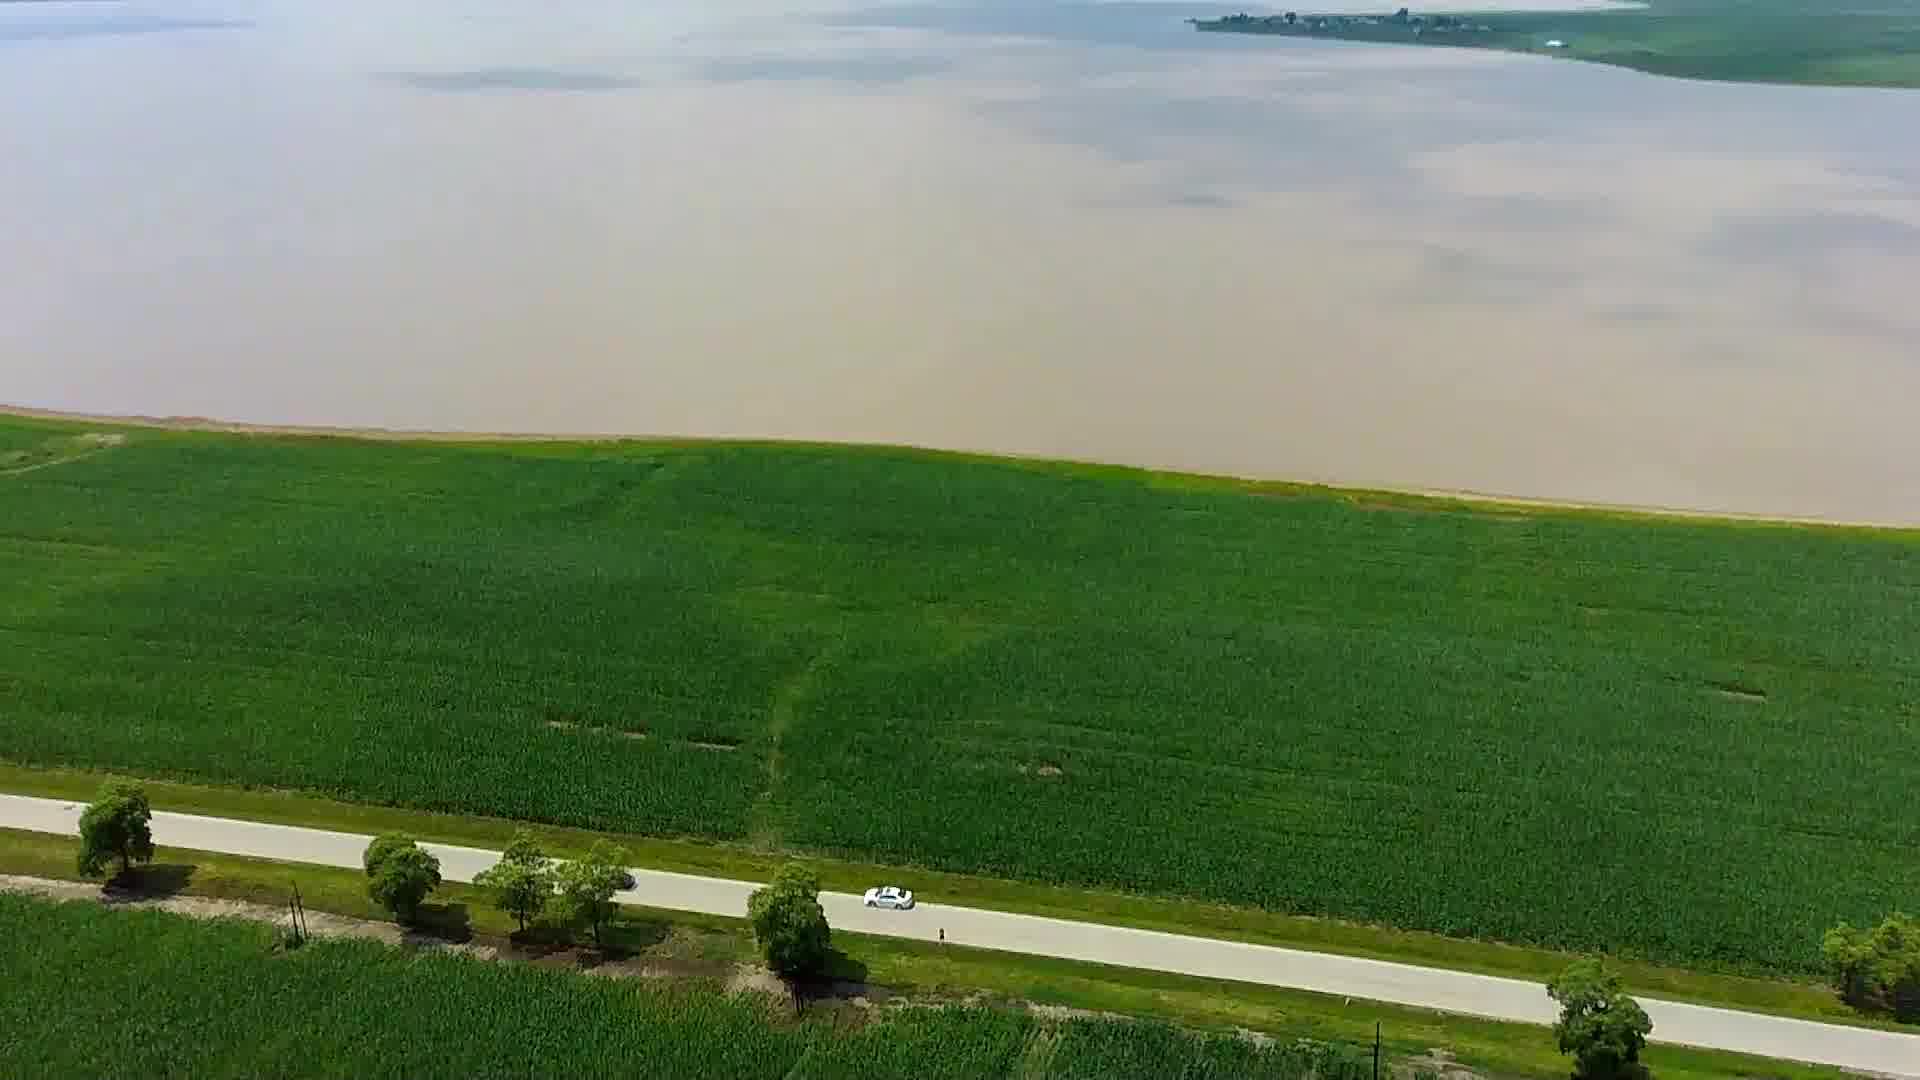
x: 1780, y: 42
x: 1459, y: 495
x: 1463, y: 7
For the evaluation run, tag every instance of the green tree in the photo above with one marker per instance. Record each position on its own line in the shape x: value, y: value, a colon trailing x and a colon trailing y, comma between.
x: 585, y: 887
x: 381, y: 847
x: 522, y: 881
x: 400, y: 874
x: 1849, y: 956
x: 789, y: 924
x: 1877, y: 970
x: 1602, y: 1027
x: 117, y: 825
x: 1900, y: 977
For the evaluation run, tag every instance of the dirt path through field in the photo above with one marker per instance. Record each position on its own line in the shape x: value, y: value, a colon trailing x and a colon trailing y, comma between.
x: 319, y: 923
x: 330, y: 925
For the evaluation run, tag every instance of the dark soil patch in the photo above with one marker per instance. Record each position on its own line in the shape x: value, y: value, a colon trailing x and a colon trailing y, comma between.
x: 1739, y: 691
x: 714, y: 742
x: 568, y: 721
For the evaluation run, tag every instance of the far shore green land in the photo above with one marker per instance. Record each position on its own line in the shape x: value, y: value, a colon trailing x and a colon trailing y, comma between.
x: 1816, y: 42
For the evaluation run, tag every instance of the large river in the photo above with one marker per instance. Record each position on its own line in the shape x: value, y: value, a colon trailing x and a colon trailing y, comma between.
x: 1072, y: 229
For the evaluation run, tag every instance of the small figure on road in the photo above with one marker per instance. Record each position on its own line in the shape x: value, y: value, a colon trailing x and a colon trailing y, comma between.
x: 943, y: 935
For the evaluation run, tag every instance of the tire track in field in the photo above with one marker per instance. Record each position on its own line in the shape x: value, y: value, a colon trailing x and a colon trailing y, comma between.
x: 91, y: 444
x: 38, y: 465
x: 763, y: 826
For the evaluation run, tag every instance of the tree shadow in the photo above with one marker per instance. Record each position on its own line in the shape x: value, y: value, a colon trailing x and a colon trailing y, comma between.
x: 619, y: 940
x: 635, y: 935
x: 843, y: 968
x: 591, y: 956
x: 441, y: 922
x: 540, y: 939
x: 154, y: 881
x: 841, y: 978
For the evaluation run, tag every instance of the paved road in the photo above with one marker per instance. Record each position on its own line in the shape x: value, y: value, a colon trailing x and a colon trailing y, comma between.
x: 1402, y: 984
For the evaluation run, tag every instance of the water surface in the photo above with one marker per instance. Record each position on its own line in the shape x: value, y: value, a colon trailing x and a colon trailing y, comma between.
x: 1054, y: 228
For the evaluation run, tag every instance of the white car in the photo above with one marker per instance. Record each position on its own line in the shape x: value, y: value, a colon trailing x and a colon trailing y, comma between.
x: 889, y: 896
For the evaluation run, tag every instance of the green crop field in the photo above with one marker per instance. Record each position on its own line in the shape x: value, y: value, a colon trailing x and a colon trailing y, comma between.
x: 1693, y: 742
x: 101, y: 993
x: 1831, y: 42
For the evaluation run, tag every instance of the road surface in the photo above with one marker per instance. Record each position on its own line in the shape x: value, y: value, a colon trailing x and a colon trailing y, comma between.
x: 1884, y: 1052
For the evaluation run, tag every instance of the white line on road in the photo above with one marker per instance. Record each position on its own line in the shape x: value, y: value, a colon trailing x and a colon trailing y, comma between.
x: 1887, y: 1052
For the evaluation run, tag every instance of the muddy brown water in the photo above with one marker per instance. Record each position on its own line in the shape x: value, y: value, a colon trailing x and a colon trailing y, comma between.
x: 1034, y: 227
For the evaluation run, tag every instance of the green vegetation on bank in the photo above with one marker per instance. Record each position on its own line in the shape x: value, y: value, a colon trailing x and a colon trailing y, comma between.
x: 1685, y: 741
x: 1844, y: 43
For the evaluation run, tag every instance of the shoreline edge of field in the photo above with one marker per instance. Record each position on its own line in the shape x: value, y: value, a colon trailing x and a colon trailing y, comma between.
x: 424, y: 435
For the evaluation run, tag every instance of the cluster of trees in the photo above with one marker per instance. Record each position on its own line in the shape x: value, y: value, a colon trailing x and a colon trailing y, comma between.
x: 1877, y: 970
x: 1419, y: 24
x: 576, y: 894
x: 525, y: 883
x: 789, y: 926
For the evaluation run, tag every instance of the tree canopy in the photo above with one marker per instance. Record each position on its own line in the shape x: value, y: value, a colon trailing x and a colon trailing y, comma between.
x: 788, y: 923
x: 400, y: 874
x: 381, y: 847
x: 116, y: 826
x: 522, y: 882
x: 585, y: 887
x: 1879, y: 969
x: 1600, y: 1025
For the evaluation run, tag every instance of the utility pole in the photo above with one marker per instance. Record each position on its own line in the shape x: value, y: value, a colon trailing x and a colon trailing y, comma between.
x: 297, y: 915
